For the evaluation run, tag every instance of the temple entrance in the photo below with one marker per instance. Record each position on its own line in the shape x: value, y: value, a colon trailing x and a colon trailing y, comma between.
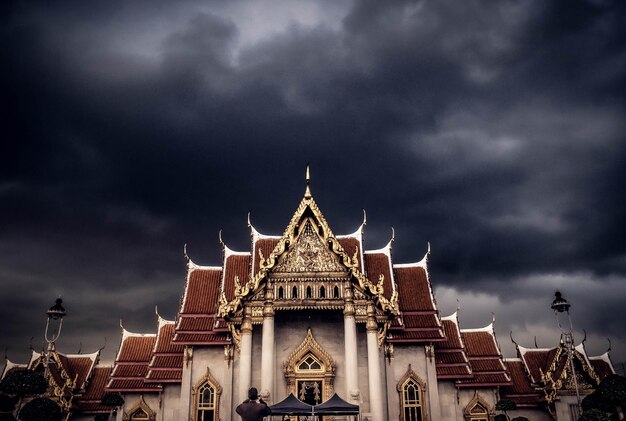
x: 310, y: 372
x: 310, y: 391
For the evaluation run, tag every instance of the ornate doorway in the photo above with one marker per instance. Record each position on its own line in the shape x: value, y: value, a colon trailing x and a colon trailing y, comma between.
x: 310, y: 372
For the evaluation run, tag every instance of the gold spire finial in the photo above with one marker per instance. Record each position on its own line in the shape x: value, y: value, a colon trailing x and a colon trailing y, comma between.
x: 307, y: 192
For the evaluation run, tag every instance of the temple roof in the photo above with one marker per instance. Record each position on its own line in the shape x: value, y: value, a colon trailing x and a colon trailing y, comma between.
x: 485, y: 358
x: 166, y: 363
x: 131, y: 364
x: 418, y: 319
x: 89, y: 402
x: 520, y: 391
x: 450, y: 355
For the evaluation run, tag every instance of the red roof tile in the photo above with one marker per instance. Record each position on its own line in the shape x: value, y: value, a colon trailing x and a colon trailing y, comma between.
x: 202, y: 338
x: 197, y: 324
x: 136, y: 349
x: 350, y: 245
x: 456, y: 357
x: 377, y: 264
x: 130, y: 370
x: 454, y: 372
x: 601, y: 367
x: 164, y: 342
x: 80, y: 368
x: 420, y: 320
x: 202, y: 291
x: 266, y: 245
x: 235, y: 265
x: 479, y: 344
x: 520, y: 391
x: 415, y: 336
x: 164, y: 376
x: 537, y: 361
x: 97, y: 382
x: 167, y: 361
x: 413, y: 288
x: 131, y: 385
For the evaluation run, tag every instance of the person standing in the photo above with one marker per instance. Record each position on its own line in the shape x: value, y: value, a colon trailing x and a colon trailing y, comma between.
x: 251, y: 409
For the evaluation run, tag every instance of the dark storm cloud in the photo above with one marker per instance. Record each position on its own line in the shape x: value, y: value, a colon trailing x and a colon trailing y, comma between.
x: 494, y: 131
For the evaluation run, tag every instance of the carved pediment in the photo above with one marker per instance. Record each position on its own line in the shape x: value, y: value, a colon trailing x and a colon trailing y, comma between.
x: 308, y: 254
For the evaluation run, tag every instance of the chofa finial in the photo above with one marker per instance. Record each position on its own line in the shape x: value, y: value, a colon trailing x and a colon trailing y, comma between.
x: 364, y: 218
x: 307, y: 192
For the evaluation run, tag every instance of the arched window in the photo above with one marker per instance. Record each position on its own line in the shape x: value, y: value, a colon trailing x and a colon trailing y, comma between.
x: 140, y: 412
x: 294, y: 292
x: 411, y: 390
x: 281, y: 293
x: 207, y: 397
x: 336, y: 292
x: 477, y: 409
x: 411, y: 402
x: 309, y: 293
x: 139, y: 415
x: 206, y: 403
x: 322, y: 292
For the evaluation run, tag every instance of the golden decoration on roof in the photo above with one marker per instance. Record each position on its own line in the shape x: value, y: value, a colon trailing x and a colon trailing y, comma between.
x: 299, y: 255
x: 308, y: 254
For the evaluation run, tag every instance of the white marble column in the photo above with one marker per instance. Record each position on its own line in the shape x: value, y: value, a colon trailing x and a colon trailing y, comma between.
x: 267, y: 348
x: 373, y: 366
x: 431, y: 381
x: 245, y: 357
x: 352, y: 369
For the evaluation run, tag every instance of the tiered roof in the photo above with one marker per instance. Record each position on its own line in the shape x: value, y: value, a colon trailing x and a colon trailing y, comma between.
x: 89, y: 402
x: 539, y: 373
x: 450, y: 355
x: 485, y: 358
x: 521, y: 390
x: 166, y: 363
x: 419, y: 318
x: 131, y: 364
x: 197, y: 319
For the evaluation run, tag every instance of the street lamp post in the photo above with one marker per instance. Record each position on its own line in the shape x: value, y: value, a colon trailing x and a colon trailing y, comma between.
x: 560, y: 305
x: 55, y: 314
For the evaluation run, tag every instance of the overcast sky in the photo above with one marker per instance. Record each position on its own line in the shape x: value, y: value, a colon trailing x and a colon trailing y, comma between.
x: 494, y: 130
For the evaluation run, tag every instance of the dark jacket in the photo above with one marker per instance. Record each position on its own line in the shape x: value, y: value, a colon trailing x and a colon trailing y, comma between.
x: 253, y: 410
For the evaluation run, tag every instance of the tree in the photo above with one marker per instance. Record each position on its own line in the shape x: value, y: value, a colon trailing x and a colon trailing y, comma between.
x: 612, y: 390
x: 7, y: 403
x: 608, y: 397
x: 41, y: 409
x: 112, y: 399
x: 594, y: 415
x: 505, y: 405
x: 23, y: 383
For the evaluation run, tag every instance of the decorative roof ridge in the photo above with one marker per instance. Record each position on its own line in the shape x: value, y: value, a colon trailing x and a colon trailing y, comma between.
x: 128, y: 334
x: 190, y: 263
x: 422, y: 263
x: 33, y: 357
x: 523, y: 350
x: 581, y: 350
x: 91, y: 356
x: 358, y: 234
x: 162, y: 322
x: 256, y: 235
x: 488, y: 329
x: 387, y: 252
x: 513, y: 360
x: 385, y: 249
x: 604, y: 357
x: 454, y: 317
x: 229, y: 252
x: 8, y: 365
x: 193, y: 266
